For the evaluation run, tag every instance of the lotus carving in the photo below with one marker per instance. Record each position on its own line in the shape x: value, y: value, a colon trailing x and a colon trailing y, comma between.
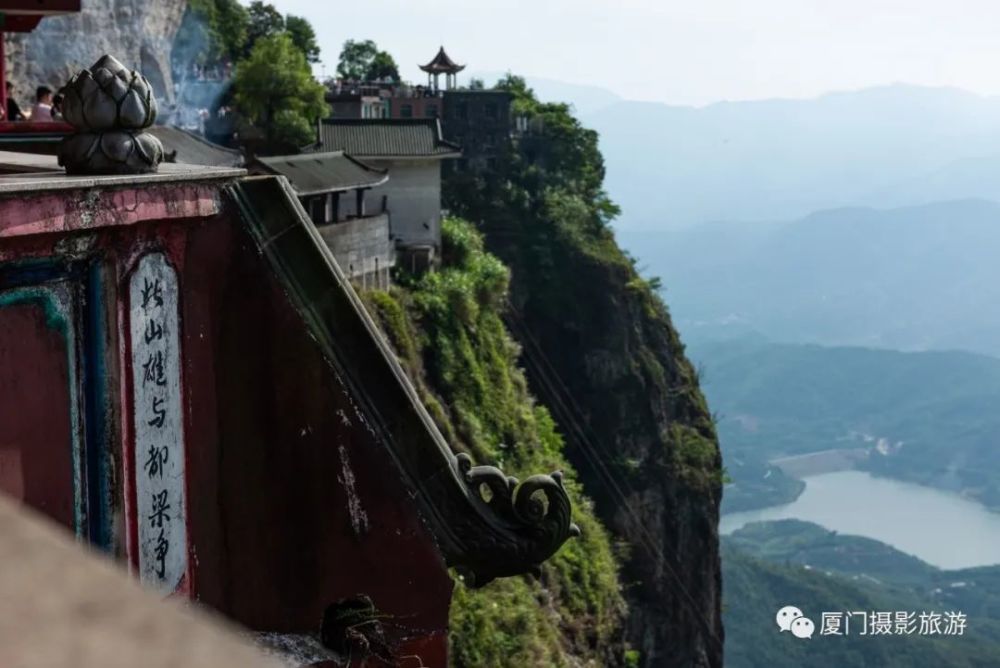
x: 109, y: 105
x: 109, y: 96
x: 114, y: 152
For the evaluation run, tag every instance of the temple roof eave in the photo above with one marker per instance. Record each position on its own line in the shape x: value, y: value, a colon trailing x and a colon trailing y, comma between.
x: 508, y: 529
x: 442, y: 64
x: 431, y: 68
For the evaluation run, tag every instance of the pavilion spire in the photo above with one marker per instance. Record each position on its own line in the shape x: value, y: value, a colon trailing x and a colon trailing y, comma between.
x: 442, y: 64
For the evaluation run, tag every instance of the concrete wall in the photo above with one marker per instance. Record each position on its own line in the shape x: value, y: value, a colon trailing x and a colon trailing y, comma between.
x: 414, y: 200
x: 363, y: 249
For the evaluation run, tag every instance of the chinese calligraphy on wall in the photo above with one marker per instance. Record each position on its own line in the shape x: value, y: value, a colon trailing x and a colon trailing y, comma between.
x: 159, y: 441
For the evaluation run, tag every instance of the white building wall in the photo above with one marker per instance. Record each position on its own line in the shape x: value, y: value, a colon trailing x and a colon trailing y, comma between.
x: 414, y: 200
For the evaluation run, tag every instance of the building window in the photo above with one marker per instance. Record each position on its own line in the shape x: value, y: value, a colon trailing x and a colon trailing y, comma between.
x: 406, y: 111
x: 462, y: 110
x: 492, y: 111
x: 431, y: 111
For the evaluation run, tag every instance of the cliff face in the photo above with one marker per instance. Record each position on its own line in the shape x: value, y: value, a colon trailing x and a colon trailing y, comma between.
x: 139, y: 33
x: 601, y: 353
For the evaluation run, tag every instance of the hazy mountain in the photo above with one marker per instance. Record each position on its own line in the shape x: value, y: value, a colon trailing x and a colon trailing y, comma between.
x: 977, y: 177
x: 934, y: 413
x: 913, y: 278
x: 778, y: 159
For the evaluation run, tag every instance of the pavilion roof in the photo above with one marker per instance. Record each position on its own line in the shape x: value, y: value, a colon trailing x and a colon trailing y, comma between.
x: 442, y: 64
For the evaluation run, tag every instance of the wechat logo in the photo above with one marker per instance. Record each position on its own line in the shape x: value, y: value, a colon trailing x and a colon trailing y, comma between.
x: 790, y: 618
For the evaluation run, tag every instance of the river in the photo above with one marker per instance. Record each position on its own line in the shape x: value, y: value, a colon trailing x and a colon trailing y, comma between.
x: 942, y: 528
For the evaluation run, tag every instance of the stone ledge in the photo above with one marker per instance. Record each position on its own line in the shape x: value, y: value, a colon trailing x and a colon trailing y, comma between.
x: 26, y: 172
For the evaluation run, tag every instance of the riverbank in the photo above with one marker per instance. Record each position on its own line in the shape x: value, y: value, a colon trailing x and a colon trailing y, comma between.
x: 942, y: 528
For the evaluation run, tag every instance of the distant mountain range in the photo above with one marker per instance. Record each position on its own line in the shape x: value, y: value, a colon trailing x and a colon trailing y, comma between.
x: 914, y: 278
x: 673, y: 166
x: 780, y: 159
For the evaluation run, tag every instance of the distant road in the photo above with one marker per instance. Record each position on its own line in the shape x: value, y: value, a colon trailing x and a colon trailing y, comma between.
x: 824, y: 461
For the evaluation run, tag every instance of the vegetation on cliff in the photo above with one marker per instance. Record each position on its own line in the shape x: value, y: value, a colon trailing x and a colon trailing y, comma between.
x: 448, y: 332
x: 601, y: 352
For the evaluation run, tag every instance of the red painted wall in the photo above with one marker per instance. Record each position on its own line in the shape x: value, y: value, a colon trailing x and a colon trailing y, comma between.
x: 291, y: 503
x: 36, y: 463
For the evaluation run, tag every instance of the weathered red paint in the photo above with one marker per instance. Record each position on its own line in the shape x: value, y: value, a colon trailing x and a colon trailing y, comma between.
x: 273, y: 437
x: 43, y: 7
x: 292, y: 503
x: 36, y: 463
x: 64, y: 211
x: 30, y: 127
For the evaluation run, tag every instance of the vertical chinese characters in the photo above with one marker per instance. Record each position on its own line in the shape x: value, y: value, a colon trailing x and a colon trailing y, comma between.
x: 159, y: 444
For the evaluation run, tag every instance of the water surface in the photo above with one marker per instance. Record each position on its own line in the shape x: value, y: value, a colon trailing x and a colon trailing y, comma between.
x: 939, y: 527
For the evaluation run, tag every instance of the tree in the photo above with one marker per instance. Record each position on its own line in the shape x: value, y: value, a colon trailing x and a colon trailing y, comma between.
x: 211, y: 31
x: 275, y: 91
x: 355, y: 59
x: 232, y: 25
x: 363, y: 61
x: 303, y: 36
x: 383, y: 66
x: 265, y: 21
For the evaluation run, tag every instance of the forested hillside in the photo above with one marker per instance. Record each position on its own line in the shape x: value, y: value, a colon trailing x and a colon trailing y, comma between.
x: 771, y: 564
x: 927, y: 417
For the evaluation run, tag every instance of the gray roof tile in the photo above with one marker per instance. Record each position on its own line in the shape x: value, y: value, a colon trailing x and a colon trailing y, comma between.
x: 314, y: 173
x: 194, y: 150
x: 378, y: 138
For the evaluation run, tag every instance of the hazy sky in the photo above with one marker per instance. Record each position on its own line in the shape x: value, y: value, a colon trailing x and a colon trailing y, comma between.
x: 690, y: 52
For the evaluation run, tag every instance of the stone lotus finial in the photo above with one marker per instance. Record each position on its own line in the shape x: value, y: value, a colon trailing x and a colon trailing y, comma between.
x: 109, y: 105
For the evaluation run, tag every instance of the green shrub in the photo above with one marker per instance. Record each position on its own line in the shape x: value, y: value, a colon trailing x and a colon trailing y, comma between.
x: 447, y: 329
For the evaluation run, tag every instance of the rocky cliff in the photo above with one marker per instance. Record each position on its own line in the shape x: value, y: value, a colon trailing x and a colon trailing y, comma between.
x: 139, y: 33
x: 601, y: 353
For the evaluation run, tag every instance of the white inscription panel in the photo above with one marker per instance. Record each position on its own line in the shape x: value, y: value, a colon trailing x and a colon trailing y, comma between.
x: 159, y: 436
